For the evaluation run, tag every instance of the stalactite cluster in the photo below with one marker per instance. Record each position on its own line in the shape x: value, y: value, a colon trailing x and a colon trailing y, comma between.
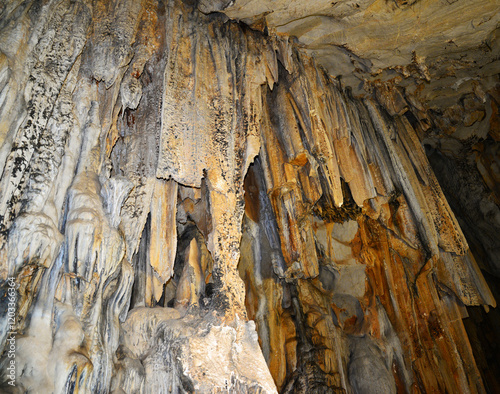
x: 190, y: 205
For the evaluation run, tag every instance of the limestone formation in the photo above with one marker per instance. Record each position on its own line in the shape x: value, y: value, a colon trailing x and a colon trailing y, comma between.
x: 205, y: 197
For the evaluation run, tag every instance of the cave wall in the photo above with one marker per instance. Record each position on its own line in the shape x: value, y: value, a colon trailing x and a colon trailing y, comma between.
x: 188, y: 204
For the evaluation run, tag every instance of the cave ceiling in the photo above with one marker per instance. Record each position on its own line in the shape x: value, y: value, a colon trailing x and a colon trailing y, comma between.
x: 360, y: 40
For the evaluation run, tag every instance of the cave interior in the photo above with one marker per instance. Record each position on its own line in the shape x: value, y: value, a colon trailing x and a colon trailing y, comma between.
x: 249, y: 196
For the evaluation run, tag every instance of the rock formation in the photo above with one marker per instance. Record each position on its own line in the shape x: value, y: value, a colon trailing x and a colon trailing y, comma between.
x: 195, y: 198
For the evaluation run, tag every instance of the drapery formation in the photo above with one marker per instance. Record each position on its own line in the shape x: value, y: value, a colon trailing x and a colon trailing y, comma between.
x: 169, y: 175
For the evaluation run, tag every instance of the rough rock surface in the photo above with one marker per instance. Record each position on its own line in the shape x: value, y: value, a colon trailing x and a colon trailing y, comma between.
x: 188, y: 204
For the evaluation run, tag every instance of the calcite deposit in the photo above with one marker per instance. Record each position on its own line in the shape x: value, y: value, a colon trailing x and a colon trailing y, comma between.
x: 195, y: 197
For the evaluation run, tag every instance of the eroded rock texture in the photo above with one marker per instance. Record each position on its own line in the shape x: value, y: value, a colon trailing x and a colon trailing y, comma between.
x: 191, y: 205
